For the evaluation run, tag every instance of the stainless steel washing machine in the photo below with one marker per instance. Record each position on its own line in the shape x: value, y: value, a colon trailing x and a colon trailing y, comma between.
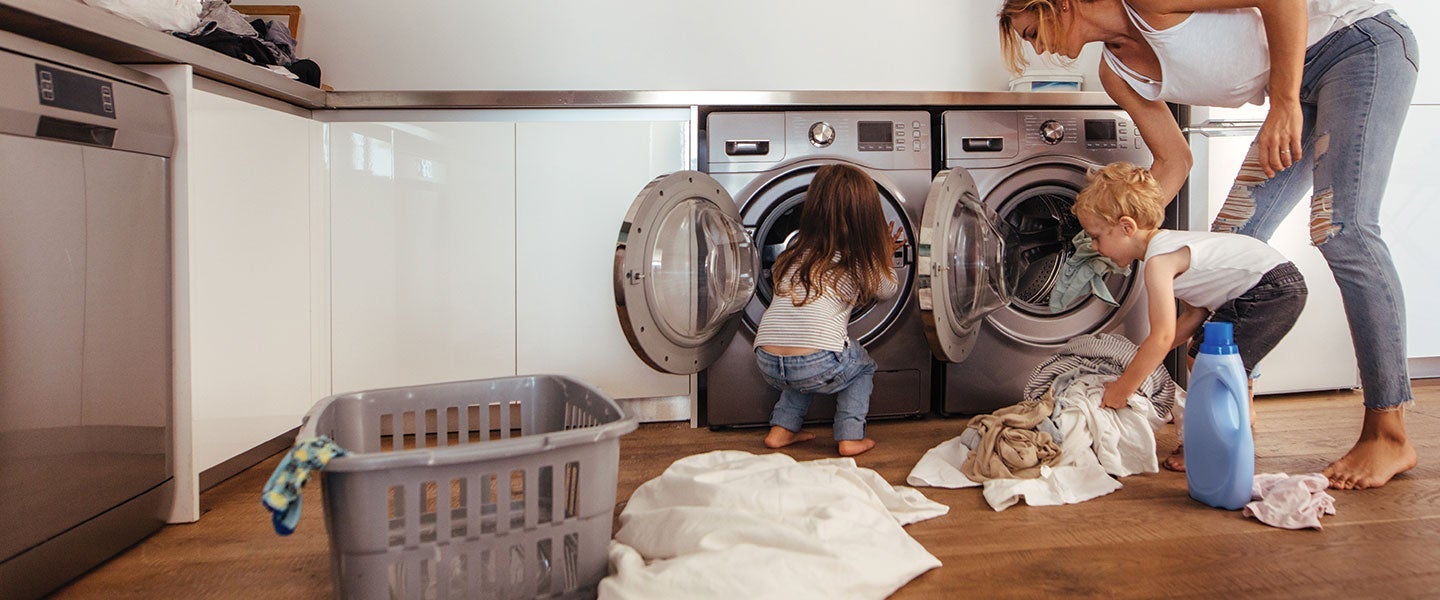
x: 693, y: 260
x: 1027, y: 166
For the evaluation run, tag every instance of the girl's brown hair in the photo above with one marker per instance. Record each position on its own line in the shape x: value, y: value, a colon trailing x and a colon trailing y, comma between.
x: 841, y: 218
x: 1047, y: 28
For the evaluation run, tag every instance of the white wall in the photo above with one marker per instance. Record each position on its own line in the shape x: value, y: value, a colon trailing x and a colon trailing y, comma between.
x: 947, y: 45
x: 1424, y: 19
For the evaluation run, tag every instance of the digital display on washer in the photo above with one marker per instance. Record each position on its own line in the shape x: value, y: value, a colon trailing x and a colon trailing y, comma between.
x: 1100, y: 133
x: 876, y: 136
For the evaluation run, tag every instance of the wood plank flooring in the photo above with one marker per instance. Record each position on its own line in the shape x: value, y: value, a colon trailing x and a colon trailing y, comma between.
x: 1146, y: 540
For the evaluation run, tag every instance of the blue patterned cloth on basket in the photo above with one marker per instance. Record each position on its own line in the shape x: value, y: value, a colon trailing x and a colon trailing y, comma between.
x: 282, y: 493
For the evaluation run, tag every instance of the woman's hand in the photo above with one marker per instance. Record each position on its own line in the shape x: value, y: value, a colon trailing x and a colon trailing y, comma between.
x: 897, y: 237
x: 1279, y: 139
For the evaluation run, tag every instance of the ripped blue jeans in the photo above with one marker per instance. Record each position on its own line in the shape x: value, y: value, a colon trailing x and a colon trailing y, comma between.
x: 1354, y: 94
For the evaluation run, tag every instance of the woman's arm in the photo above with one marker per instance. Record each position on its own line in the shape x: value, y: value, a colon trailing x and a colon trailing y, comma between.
x: 1285, y: 29
x: 1159, y: 130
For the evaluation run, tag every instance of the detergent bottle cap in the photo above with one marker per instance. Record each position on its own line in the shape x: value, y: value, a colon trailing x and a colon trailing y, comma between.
x: 1219, y: 339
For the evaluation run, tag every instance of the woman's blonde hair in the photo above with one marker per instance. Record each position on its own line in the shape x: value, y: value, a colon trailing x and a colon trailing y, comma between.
x: 841, y: 219
x: 1121, y: 190
x: 1047, y: 29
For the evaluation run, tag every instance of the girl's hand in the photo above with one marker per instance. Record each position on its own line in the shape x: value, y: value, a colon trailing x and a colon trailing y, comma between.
x: 897, y: 237
x: 1279, y: 139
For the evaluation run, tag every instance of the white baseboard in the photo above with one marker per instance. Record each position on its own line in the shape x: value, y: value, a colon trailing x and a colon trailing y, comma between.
x: 1425, y: 367
x: 661, y: 409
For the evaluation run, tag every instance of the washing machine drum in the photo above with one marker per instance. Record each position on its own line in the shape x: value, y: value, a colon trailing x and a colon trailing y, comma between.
x: 775, y: 212
x: 1035, y: 218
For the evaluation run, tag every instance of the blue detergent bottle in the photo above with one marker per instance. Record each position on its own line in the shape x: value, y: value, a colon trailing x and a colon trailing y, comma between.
x: 1219, y: 448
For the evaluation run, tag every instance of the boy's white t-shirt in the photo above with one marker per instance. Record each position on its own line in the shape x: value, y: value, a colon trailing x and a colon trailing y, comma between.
x: 1222, y: 265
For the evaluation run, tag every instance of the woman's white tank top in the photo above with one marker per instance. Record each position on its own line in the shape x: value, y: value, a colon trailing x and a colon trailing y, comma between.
x: 1220, y: 57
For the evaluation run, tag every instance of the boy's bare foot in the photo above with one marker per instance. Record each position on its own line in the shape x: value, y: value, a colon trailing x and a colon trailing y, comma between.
x: 1176, y: 460
x: 853, y: 447
x: 780, y: 437
x: 1383, y: 451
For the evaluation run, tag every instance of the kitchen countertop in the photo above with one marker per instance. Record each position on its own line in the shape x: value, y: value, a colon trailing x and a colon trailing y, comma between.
x: 74, y: 25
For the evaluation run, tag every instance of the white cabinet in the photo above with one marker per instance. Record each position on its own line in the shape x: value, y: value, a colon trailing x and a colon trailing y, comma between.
x: 1408, y: 218
x: 423, y: 252
x: 480, y: 243
x: 249, y: 323
x: 575, y: 181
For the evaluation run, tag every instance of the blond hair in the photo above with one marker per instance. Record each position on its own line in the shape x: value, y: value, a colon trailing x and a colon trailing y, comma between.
x: 1121, y: 190
x: 1047, y: 29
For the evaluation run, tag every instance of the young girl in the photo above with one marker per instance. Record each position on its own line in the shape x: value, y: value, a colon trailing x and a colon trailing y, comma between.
x: 841, y: 257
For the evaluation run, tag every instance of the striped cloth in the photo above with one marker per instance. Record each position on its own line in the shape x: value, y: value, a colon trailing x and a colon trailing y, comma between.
x: 822, y: 323
x: 1104, y: 354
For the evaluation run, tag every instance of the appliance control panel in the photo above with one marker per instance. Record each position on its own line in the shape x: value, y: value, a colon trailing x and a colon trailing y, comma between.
x: 882, y: 139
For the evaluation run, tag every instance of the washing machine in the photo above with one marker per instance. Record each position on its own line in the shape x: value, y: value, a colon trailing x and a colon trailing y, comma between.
x: 1027, y: 166
x: 692, y: 266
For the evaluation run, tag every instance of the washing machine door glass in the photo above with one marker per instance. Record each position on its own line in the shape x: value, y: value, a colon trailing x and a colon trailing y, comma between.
x: 962, y: 265
x: 684, y: 270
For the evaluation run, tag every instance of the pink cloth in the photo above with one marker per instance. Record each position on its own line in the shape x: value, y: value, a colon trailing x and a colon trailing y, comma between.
x: 1290, y: 501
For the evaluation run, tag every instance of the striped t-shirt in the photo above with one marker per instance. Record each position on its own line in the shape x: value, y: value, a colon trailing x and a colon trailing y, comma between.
x: 822, y: 323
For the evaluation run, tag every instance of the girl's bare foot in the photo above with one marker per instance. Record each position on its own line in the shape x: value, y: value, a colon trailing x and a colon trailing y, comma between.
x: 780, y: 437
x: 1176, y: 460
x: 1383, y: 451
x: 853, y: 447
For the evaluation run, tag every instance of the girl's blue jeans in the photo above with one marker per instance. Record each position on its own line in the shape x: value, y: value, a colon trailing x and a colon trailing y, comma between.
x: 1354, y: 94
x: 849, y: 374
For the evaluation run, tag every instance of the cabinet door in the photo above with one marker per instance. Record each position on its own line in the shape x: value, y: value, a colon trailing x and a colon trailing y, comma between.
x: 574, y: 183
x: 248, y: 236
x: 423, y: 252
x: 1408, y: 217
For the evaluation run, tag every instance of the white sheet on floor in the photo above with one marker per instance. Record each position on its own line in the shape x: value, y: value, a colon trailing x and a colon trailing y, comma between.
x: 731, y: 524
x: 1097, y: 443
x: 1290, y: 501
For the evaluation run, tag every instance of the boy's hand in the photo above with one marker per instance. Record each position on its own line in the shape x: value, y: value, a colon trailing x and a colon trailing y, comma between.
x: 1115, y: 397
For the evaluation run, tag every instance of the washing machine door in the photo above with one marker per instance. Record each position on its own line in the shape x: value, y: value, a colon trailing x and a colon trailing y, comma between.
x: 684, y: 270
x: 962, y: 272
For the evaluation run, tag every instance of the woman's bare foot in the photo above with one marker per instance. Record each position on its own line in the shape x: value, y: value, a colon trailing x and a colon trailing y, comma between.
x: 1383, y: 451
x: 853, y: 447
x: 1176, y: 460
x: 780, y: 437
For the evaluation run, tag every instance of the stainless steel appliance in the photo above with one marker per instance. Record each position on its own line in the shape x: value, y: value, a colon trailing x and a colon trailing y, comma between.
x: 1027, y: 166
x: 85, y: 313
x: 693, y: 262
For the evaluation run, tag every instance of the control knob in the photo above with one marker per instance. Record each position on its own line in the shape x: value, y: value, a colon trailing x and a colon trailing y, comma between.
x: 1052, y: 132
x: 821, y: 134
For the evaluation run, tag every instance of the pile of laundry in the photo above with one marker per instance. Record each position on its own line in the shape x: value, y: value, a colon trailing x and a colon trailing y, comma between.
x: 730, y: 524
x: 1059, y: 446
x: 215, y: 25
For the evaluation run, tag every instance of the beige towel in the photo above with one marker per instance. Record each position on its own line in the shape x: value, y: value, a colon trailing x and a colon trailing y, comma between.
x: 1010, y: 448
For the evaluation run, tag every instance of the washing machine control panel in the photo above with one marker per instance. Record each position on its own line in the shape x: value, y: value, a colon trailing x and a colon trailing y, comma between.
x: 882, y: 139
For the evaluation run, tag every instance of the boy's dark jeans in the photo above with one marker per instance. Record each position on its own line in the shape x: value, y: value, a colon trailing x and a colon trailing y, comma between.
x: 1263, y: 314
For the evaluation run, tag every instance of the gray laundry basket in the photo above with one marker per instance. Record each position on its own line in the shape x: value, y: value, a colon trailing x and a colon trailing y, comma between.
x: 439, y: 498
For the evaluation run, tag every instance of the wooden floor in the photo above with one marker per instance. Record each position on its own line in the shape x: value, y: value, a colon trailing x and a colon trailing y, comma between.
x: 1146, y: 540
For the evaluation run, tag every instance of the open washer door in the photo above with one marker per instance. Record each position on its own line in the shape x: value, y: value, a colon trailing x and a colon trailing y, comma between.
x: 961, y: 268
x: 684, y: 270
